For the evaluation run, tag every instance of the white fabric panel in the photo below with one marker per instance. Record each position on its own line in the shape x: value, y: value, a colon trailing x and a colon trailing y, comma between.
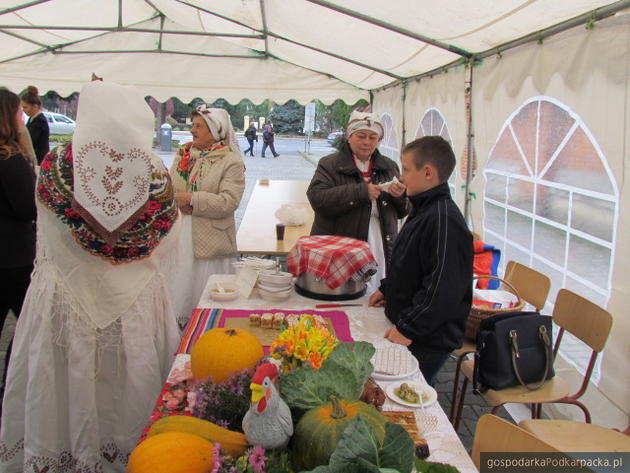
x: 587, y: 70
x: 188, y: 77
x: 445, y: 93
x: 473, y: 27
x: 390, y: 102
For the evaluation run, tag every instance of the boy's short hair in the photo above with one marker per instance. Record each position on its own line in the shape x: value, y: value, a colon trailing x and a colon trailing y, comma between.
x: 433, y: 150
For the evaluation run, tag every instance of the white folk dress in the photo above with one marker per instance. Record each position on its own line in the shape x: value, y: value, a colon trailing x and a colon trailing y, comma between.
x: 95, y: 339
x: 207, y: 245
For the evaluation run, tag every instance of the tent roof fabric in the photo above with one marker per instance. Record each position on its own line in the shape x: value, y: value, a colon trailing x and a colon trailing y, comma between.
x: 256, y: 49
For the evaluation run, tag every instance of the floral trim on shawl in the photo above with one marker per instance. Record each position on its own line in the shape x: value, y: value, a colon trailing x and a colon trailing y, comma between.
x: 64, y: 462
x: 55, y: 191
x: 186, y: 161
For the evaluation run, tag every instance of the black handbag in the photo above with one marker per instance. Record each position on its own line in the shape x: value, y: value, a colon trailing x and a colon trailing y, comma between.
x: 513, y: 348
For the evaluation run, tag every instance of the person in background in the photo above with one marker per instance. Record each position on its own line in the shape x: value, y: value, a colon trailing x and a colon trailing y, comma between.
x: 96, y: 336
x: 251, y: 136
x: 209, y: 180
x: 37, y: 124
x: 17, y: 212
x: 268, y: 139
x: 428, y: 291
x: 347, y: 196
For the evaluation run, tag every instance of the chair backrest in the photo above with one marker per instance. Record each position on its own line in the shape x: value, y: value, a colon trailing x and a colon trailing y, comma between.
x: 494, y: 434
x: 582, y: 318
x: 532, y: 286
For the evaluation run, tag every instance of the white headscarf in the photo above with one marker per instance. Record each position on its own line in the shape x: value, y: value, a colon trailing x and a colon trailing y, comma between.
x: 364, y: 121
x: 220, y: 125
x: 112, y: 148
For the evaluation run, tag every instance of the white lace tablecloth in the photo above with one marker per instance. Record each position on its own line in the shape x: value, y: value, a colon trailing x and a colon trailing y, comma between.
x: 366, y: 324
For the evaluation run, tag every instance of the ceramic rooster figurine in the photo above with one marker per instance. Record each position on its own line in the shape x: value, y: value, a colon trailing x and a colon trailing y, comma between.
x: 268, y: 421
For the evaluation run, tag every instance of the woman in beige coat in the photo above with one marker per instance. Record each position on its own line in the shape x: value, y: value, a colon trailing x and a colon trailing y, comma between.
x: 209, y: 178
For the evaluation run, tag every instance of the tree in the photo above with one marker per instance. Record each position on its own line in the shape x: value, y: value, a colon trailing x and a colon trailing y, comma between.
x: 288, y: 118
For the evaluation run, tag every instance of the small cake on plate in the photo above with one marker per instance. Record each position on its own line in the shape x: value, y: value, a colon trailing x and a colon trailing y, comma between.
x: 254, y: 319
x: 266, y: 320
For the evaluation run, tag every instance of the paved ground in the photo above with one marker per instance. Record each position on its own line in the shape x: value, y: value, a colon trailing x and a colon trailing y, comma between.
x: 293, y: 163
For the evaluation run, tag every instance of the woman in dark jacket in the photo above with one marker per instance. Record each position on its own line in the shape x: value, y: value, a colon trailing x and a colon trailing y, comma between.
x: 37, y: 124
x: 348, y: 195
x: 17, y: 211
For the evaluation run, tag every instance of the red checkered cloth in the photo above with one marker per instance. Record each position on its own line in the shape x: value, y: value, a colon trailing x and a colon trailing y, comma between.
x: 331, y: 258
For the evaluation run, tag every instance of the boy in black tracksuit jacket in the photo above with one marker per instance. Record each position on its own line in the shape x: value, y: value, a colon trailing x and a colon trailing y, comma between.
x: 428, y: 290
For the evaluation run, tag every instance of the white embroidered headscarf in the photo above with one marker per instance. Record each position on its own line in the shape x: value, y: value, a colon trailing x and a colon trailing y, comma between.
x: 364, y: 121
x: 220, y: 125
x: 112, y: 156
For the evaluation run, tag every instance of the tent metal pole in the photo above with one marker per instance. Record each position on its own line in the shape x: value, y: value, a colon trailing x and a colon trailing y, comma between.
x: 404, y: 118
x: 263, y: 16
x: 218, y: 15
x: 337, y: 56
x: 120, y: 20
x: 153, y: 51
x: 106, y: 29
x: 159, y: 45
x: 592, y: 16
x: 15, y: 35
x: 20, y: 7
x: 469, y: 154
x: 383, y: 24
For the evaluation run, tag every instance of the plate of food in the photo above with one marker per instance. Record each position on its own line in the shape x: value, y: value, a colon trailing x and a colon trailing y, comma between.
x: 394, y: 362
x: 411, y: 394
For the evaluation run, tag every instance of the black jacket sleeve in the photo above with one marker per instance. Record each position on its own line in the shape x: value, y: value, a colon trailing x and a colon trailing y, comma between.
x: 17, y: 183
x: 332, y: 199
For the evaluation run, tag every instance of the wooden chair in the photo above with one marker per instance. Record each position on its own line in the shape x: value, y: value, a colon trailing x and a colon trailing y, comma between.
x: 532, y: 286
x: 494, y: 434
x: 580, y: 317
x: 571, y: 436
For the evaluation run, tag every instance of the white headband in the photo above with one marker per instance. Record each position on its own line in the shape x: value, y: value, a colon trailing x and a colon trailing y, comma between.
x: 364, y: 121
x: 220, y: 125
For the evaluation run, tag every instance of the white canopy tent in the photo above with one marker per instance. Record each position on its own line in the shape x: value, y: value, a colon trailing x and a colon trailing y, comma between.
x: 548, y: 100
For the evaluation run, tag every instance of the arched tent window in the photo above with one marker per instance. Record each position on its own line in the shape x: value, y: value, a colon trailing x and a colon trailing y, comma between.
x: 551, y: 202
x: 390, y: 146
x: 433, y: 123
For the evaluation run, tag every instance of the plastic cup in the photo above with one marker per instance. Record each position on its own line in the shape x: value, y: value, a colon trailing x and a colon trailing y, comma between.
x: 280, y: 231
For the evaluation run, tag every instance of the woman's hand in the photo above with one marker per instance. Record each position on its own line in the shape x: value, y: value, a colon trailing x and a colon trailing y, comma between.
x: 374, y: 191
x: 183, y: 199
x: 394, y: 336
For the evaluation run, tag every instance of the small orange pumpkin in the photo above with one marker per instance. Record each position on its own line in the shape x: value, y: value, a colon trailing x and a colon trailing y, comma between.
x: 172, y: 452
x: 221, y: 352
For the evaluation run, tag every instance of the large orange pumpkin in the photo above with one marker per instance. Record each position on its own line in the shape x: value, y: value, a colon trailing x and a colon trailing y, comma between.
x: 172, y: 452
x: 221, y: 352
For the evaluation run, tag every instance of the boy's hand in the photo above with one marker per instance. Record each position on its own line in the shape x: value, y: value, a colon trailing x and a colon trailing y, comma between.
x: 394, y: 336
x: 376, y: 300
x: 397, y: 189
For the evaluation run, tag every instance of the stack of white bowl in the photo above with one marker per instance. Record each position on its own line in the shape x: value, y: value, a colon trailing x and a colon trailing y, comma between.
x: 274, y: 285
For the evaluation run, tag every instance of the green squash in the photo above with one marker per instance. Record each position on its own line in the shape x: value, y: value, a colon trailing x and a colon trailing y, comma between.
x: 318, y: 432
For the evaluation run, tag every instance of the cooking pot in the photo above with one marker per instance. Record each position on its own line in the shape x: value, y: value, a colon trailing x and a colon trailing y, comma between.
x: 309, y: 285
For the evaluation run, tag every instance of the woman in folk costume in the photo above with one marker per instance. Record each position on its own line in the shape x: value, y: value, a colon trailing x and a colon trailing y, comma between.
x: 96, y: 336
x: 209, y: 179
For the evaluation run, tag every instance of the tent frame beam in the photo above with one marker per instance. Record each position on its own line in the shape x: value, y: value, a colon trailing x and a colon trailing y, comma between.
x: 388, y: 26
x: 21, y: 7
x: 153, y: 51
x: 125, y: 29
x: 266, y: 33
x: 592, y: 16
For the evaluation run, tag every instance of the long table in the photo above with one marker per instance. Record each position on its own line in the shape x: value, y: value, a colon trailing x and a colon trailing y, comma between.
x: 257, y: 231
x: 366, y: 324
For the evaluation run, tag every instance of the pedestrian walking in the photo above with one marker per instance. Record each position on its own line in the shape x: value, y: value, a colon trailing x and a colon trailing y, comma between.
x: 268, y: 138
x: 251, y: 136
